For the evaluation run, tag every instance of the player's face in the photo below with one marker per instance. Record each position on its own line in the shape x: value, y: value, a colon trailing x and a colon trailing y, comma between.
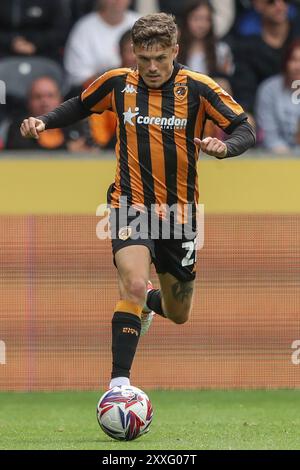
x: 155, y: 63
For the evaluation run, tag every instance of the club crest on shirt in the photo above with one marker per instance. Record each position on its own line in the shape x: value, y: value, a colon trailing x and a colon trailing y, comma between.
x: 180, y: 91
x: 125, y: 233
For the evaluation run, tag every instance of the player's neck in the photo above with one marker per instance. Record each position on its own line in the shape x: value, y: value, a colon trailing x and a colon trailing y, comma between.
x: 171, y: 73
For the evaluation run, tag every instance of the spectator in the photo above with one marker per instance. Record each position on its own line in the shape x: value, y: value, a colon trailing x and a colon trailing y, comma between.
x: 258, y: 57
x: 223, y: 16
x: 176, y: 8
x: 33, y: 27
x: 248, y: 19
x: 44, y: 96
x: 223, y: 12
x: 80, y: 8
x: 92, y: 46
x: 277, y: 105
x: 128, y: 59
x: 199, y: 48
x: 103, y: 126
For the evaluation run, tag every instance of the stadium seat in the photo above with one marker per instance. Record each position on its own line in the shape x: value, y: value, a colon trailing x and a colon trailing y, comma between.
x: 19, y: 72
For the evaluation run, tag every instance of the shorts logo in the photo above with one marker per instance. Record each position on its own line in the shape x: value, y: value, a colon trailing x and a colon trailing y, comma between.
x: 129, y: 89
x: 125, y: 233
x: 180, y: 91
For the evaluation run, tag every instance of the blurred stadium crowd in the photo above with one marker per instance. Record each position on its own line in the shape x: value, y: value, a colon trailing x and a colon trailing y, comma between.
x: 50, y: 50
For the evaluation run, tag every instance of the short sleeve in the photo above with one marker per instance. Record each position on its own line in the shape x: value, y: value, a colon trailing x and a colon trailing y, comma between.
x: 220, y: 107
x: 98, y: 96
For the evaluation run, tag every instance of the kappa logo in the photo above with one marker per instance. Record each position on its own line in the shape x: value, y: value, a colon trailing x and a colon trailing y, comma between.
x: 129, y: 89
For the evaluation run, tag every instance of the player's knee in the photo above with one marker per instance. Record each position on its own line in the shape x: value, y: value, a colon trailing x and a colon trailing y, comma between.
x: 135, y: 290
x: 180, y: 320
x: 176, y: 314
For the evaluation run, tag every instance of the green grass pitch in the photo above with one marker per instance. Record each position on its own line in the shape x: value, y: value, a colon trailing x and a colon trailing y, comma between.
x: 182, y: 420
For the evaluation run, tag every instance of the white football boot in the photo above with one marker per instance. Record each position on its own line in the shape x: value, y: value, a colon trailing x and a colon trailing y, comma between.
x: 147, y: 314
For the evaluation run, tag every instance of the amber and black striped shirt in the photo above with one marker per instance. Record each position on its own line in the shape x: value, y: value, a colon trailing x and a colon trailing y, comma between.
x: 156, y: 154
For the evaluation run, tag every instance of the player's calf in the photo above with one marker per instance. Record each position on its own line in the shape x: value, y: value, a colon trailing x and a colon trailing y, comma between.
x: 177, y: 298
x: 177, y: 313
x: 178, y: 317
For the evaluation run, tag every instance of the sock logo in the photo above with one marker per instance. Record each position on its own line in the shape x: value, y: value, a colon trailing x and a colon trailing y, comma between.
x: 132, y: 331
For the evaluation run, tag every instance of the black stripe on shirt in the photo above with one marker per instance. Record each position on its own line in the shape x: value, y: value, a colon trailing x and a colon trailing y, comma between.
x: 191, y: 148
x: 143, y: 142
x: 169, y: 147
x: 123, y: 162
x: 220, y: 106
x: 100, y: 93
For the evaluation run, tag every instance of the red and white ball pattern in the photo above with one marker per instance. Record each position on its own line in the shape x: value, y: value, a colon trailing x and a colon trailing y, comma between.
x: 124, y: 413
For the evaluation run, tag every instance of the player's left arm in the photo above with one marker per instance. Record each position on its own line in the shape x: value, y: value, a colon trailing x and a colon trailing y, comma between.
x: 229, y: 116
x: 242, y: 138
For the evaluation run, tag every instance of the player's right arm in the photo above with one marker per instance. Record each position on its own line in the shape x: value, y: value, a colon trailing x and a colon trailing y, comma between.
x: 32, y: 127
x: 66, y: 114
x: 95, y: 99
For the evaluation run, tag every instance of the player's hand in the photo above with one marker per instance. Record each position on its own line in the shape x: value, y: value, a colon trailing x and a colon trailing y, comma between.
x: 212, y: 146
x: 31, y: 128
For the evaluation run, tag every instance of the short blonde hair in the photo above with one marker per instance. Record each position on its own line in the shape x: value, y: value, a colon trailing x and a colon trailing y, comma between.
x: 159, y: 28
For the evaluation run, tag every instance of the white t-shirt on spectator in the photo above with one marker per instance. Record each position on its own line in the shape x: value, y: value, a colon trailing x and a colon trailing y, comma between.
x: 93, y: 46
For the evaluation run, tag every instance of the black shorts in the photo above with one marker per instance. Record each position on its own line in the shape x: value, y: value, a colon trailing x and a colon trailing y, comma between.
x: 174, y: 256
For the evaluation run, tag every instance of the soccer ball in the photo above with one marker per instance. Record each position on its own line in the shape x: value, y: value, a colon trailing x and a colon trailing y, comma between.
x: 124, y: 413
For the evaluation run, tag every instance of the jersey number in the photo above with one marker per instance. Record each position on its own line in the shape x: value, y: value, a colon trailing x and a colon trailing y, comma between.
x: 190, y: 247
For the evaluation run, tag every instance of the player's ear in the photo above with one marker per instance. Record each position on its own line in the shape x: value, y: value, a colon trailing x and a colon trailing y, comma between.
x: 176, y: 50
